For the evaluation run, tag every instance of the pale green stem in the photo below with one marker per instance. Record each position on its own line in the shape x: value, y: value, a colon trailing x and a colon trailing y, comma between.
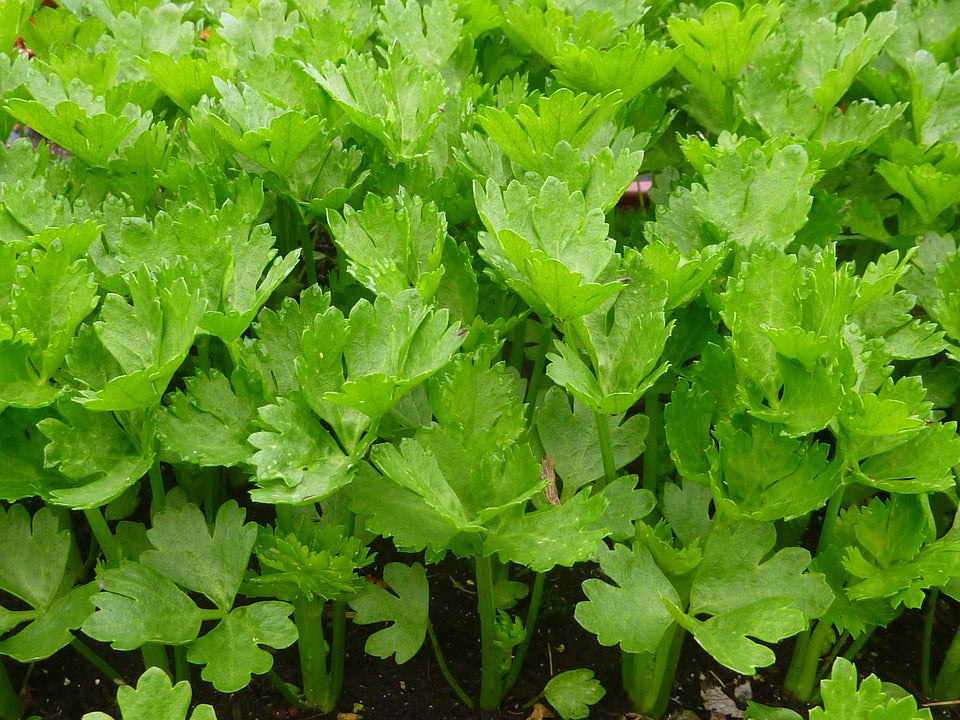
x: 533, y: 612
x: 651, y: 454
x: 101, y: 531
x: 491, y: 677
x: 926, y: 681
x: 606, y: 448
x: 95, y: 660
x: 9, y: 700
x: 445, y: 671
x: 540, y: 362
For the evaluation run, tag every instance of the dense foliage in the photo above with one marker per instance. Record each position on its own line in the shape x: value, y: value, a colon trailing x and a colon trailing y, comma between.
x: 372, y: 264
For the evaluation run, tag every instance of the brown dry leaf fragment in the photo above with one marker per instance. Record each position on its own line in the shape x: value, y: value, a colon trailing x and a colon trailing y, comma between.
x: 540, y: 712
x: 347, y: 716
x: 550, y: 477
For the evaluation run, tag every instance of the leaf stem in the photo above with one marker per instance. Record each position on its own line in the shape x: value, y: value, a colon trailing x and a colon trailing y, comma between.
x: 491, y: 677
x: 926, y: 682
x: 533, y: 612
x: 155, y: 655
x: 181, y: 668
x: 606, y: 448
x: 94, y: 659
x: 830, y: 516
x: 101, y: 531
x: 285, y: 690
x: 312, y: 646
x: 540, y: 362
x: 445, y: 670
x: 648, y: 677
x: 157, y: 491
x: 518, y: 342
x: 947, y: 686
x: 806, y: 678
x: 651, y: 454
x: 9, y: 700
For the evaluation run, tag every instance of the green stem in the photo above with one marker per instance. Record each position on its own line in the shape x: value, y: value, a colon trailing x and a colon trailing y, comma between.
x: 338, y: 644
x: 95, y: 660
x: 157, y: 491
x: 491, y: 677
x: 155, y: 655
x: 926, y: 682
x: 445, y: 671
x: 539, y: 363
x: 285, y: 690
x: 212, y: 492
x: 648, y: 677
x: 808, y: 675
x: 518, y: 342
x: 101, y: 531
x: 9, y: 700
x: 284, y: 518
x: 651, y: 454
x: 203, y: 353
x: 831, y: 514
x: 533, y: 612
x: 856, y: 646
x: 606, y: 448
x: 308, y: 616
x: 792, y: 677
x: 181, y: 668
x: 947, y: 686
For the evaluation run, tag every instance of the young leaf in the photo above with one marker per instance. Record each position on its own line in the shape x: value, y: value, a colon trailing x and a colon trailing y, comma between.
x: 137, y: 605
x: 570, y: 438
x: 406, y: 607
x: 392, y: 245
x: 209, y: 423
x: 842, y: 698
x: 630, y: 612
x: 188, y: 554
x: 571, y: 693
x: 156, y: 698
x: 96, y: 455
x: 231, y: 652
x: 554, y: 535
x: 550, y: 248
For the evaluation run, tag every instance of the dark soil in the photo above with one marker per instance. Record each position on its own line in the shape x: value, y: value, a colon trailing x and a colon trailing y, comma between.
x: 66, y: 686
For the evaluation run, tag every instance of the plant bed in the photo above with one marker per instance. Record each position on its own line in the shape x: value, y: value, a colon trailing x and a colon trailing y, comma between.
x: 469, y: 358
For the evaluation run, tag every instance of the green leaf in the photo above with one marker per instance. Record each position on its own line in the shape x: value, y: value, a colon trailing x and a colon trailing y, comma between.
x: 392, y: 246
x: 313, y: 561
x: 149, y: 338
x: 208, y: 423
x: 748, y: 597
x: 51, y: 631
x: 768, y: 476
x: 571, y: 693
x: 570, y: 438
x: 393, y: 511
x: 922, y: 465
x: 155, y: 698
x: 929, y: 190
x: 550, y: 248
x: 35, y: 555
x: 406, y: 608
x: 231, y: 652
x: 554, y: 535
x: 399, y: 104
x: 137, y: 605
x: 842, y: 699
x: 430, y: 34
x: 193, y: 557
x: 391, y: 346
x: 297, y: 460
x: 597, y: 60
x: 624, y: 339
x: 629, y: 610
x: 94, y: 453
